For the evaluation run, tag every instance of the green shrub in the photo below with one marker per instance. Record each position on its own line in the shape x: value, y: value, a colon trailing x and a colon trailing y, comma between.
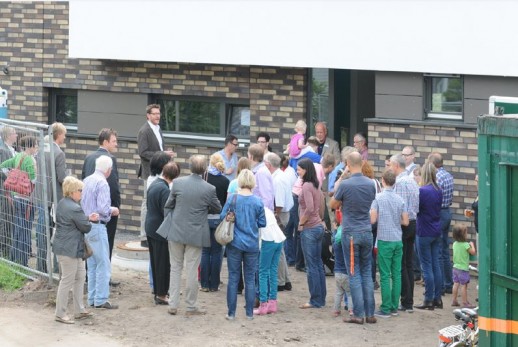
x: 10, y: 281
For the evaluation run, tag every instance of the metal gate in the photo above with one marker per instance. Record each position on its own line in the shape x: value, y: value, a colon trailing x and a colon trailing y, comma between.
x: 498, y: 228
x: 26, y: 221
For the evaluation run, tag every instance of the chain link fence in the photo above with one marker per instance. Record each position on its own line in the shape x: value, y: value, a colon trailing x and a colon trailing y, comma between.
x: 26, y: 221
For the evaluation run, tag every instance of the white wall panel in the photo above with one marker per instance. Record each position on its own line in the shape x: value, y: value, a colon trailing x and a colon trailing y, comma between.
x: 440, y: 36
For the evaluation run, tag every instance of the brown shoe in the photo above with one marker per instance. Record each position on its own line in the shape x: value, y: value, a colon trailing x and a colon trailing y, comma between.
x: 172, y: 311
x: 353, y: 320
x: 371, y: 320
x: 196, y: 312
x: 83, y: 315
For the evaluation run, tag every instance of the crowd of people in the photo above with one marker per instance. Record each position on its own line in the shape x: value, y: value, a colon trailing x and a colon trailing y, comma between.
x: 313, y: 207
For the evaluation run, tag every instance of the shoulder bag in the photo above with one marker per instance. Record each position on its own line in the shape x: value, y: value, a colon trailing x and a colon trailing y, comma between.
x: 18, y: 181
x: 88, y: 250
x: 224, y: 233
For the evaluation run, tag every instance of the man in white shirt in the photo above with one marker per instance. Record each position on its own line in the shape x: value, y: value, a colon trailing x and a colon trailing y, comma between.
x: 409, y: 154
x: 150, y: 141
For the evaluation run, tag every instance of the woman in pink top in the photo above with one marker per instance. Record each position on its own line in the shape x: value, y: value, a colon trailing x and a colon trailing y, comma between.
x: 311, y: 213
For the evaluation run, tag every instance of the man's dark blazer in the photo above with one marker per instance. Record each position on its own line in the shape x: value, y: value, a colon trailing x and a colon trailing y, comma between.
x: 147, y: 146
x: 113, y: 179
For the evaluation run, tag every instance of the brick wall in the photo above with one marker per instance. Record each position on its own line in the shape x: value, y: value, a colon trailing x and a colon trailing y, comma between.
x: 458, y: 147
x: 34, y: 39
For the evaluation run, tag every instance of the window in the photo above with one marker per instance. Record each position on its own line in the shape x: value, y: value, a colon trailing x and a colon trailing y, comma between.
x: 319, y: 108
x: 443, y: 96
x: 213, y: 118
x: 63, y: 106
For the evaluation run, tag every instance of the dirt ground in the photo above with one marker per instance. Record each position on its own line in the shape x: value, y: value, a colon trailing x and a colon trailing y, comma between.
x: 27, y: 319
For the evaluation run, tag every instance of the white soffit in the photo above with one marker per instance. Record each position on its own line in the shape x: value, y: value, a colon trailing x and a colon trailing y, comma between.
x: 437, y: 36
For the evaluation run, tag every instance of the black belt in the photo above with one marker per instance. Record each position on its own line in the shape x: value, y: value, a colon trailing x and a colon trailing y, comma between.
x: 97, y: 222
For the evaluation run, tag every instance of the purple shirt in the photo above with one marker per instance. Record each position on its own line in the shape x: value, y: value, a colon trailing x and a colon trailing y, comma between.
x: 263, y: 185
x: 429, y: 215
x: 96, y: 196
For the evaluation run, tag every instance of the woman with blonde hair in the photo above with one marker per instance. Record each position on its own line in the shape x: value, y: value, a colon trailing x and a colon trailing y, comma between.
x: 428, y: 237
x: 69, y: 247
x: 244, y: 248
x: 243, y: 163
x: 211, y: 257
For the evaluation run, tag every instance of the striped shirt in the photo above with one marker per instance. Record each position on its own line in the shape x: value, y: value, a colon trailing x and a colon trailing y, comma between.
x: 390, y: 207
x: 96, y: 196
x: 445, y: 182
x: 407, y: 188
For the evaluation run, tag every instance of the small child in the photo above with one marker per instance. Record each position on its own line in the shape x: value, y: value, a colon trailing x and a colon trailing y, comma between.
x: 461, y: 252
x: 297, y: 143
x: 341, y: 278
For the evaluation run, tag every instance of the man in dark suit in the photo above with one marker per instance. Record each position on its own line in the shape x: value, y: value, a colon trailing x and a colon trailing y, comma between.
x: 149, y: 141
x: 107, y: 146
x: 187, y: 230
x: 7, y: 151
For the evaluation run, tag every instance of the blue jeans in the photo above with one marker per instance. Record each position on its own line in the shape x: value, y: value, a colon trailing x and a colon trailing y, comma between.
x: 429, y: 252
x: 268, y: 265
x: 290, y: 246
x: 446, y: 264
x: 234, y: 259
x: 210, y: 266
x: 362, y: 287
x: 22, y: 244
x: 311, y: 241
x: 99, y: 266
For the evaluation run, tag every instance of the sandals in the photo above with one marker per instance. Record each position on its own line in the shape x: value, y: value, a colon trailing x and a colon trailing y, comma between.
x: 455, y: 304
x: 64, y: 320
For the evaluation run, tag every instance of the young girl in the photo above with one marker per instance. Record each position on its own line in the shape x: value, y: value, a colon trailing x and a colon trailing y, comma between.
x: 461, y: 252
x: 297, y: 143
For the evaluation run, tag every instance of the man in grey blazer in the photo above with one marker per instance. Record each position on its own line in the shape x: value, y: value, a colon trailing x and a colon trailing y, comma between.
x: 327, y: 144
x: 149, y: 141
x: 187, y: 230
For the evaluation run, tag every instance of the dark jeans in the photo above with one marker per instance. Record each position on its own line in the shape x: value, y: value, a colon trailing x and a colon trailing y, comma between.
x: 236, y: 257
x: 290, y: 231
x: 417, y: 265
x: 312, y: 245
x: 23, y: 218
x: 374, y: 255
x: 362, y: 287
x: 111, y: 228
x: 210, y: 266
x: 407, y: 269
x: 446, y: 264
x: 429, y: 252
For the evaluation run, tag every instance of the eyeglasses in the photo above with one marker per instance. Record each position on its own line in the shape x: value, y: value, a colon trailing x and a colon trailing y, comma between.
x: 235, y: 144
x: 155, y: 113
x: 406, y: 155
x: 261, y: 141
x: 80, y: 190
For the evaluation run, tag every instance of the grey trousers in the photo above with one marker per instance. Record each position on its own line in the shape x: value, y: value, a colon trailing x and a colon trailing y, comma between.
x: 73, y: 274
x: 342, y: 287
x: 282, y: 272
x: 192, y: 255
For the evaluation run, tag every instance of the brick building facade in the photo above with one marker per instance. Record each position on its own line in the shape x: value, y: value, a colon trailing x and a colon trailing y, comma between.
x: 34, y: 40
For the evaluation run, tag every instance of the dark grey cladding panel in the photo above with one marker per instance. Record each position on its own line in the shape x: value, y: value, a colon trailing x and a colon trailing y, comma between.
x: 482, y: 87
x: 123, y: 112
x: 474, y: 108
x: 399, y: 107
x: 399, y: 83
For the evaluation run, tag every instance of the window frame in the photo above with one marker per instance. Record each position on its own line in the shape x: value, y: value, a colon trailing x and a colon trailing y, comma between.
x: 427, y: 89
x: 53, y: 94
x: 225, y: 106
